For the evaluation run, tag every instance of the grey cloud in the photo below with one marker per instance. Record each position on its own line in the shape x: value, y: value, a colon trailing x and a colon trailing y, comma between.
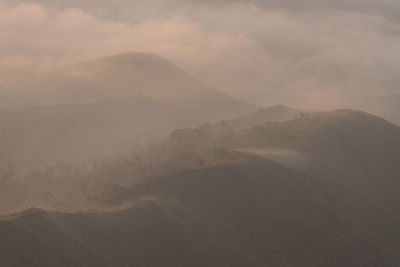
x: 262, y: 51
x: 387, y: 8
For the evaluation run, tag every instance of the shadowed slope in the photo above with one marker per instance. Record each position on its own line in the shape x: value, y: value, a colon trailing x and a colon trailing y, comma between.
x: 251, y: 213
x: 337, y: 207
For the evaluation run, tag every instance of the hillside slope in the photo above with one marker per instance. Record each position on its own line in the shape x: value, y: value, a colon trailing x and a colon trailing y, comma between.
x: 385, y: 106
x: 251, y: 213
x: 244, y: 201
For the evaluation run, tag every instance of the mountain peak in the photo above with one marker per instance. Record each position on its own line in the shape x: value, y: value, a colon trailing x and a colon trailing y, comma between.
x: 136, y: 58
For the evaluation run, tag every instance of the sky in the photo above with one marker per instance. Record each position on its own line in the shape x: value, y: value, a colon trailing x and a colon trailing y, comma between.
x: 262, y: 51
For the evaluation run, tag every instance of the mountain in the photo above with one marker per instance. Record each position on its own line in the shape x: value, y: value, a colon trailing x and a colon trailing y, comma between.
x: 385, y: 106
x: 125, y: 74
x: 130, y: 74
x: 320, y: 189
x: 39, y: 135
x: 265, y: 115
x: 99, y: 107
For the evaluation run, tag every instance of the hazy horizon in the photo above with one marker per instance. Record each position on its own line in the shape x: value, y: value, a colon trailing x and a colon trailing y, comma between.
x: 315, y: 54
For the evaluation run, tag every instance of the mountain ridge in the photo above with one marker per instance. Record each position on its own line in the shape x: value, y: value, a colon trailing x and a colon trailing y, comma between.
x: 216, y: 201
x: 105, y: 105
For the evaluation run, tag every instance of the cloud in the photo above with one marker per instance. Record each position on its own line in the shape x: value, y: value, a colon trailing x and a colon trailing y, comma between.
x: 35, y: 34
x: 262, y: 51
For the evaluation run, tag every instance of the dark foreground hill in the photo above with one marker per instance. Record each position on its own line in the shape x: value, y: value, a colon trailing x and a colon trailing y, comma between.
x: 317, y: 190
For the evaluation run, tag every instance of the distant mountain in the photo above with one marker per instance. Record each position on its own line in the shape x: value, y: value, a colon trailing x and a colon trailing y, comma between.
x: 130, y: 74
x: 127, y: 74
x: 319, y: 189
x: 99, y: 107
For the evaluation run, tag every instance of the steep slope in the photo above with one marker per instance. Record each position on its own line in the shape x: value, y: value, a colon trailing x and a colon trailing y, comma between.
x: 250, y: 213
x: 349, y: 185
x: 281, y: 217
x: 334, y: 204
x: 32, y: 239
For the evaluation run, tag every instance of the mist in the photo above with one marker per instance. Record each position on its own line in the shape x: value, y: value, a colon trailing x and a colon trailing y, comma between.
x: 316, y: 55
x: 199, y: 133
x: 82, y: 80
